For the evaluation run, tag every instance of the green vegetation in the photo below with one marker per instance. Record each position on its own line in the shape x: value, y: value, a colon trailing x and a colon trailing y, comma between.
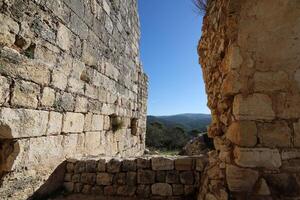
x: 169, y: 134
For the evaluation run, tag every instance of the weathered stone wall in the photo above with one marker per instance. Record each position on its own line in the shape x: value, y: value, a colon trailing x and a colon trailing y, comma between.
x: 140, y: 177
x: 71, y: 85
x: 249, y: 52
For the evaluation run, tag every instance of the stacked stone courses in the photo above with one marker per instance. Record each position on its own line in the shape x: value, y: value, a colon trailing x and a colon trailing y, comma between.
x: 68, y: 71
x: 140, y: 177
x: 249, y: 53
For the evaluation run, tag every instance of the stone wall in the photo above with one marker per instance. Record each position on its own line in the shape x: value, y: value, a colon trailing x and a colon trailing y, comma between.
x: 71, y: 85
x: 141, y: 177
x: 249, y: 52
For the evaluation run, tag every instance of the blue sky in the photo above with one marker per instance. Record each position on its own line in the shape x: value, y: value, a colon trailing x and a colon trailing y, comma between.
x: 170, y: 33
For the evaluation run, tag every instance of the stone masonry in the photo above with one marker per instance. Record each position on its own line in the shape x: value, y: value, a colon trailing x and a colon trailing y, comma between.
x: 249, y: 53
x: 139, y: 177
x: 71, y: 85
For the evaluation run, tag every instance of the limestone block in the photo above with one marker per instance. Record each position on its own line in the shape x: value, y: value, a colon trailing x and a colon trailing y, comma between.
x: 288, y: 154
x: 234, y: 58
x: 46, y: 152
x: 114, y: 165
x: 73, y: 122
x: 270, y: 81
x: 172, y: 176
x: 275, y: 134
x: 297, y: 134
x: 160, y: 176
x: 257, y: 157
x: 120, y: 178
x: 145, y: 177
x: 126, y: 190
x: 75, y: 84
x: 64, y: 102
x: 253, y: 107
x: 182, y: 164
x: 8, y: 30
x: 97, y: 122
x: 93, y: 143
x: 129, y: 165
x: 231, y: 84
x: 240, y: 179
x: 189, y: 190
x: 23, y: 122
x: 104, y: 179
x: 187, y: 177
x: 69, y: 186
x: 109, y: 25
x: 106, y: 7
x: 178, y: 189
x: 55, y: 123
x: 88, y: 178
x: 63, y: 37
x: 4, y: 90
x: 101, y: 167
x: 161, y: 189
x: 72, y: 146
x: 242, y: 133
x: 131, y: 178
x: 160, y: 163
x: 48, y: 97
x: 76, y: 178
x: 81, y: 104
x: 86, y: 189
x: 143, y: 191
x: 143, y: 163
x: 262, y: 188
x: 80, y: 167
x: 25, y: 94
x: 91, y: 166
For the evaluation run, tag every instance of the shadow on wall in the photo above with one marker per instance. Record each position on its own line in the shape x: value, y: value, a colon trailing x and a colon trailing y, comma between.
x: 9, y: 150
x: 52, y: 186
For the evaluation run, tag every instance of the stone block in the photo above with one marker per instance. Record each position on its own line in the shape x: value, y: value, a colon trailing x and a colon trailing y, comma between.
x: 129, y: 165
x: 200, y: 164
x: 270, y: 81
x: 262, y: 188
x: 81, y: 104
x: 126, y: 190
x: 283, y: 184
x: 287, y: 154
x: 297, y: 134
x: 73, y: 122
x: 113, y: 166
x: 160, y: 176
x: 110, y: 190
x: 91, y: 166
x: 172, y: 176
x: 97, y: 190
x: 55, y: 123
x: 25, y: 94
x: 248, y: 108
x: 86, y: 189
x: 131, y: 178
x: 68, y: 177
x: 78, y: 187
x: 93, y: 145
x: 76, y: 178
x: 64, y: 102
x: 161, y: 163
x: 23, y: 122
x: 161, y: 189
x: 101, y: 167
x: 48, y: 97
x: 70, y: 167
x: 143, y: 191
x: 178, y: 189
x: 120, y: 178
x: 242, y: 133
x: 257, y: 157
x: 80, y: 167
x: 63, y: 37
x: 144, y: 163
x: 88, y: 178
x: 240, y: 179
x: 104, y: 179
x: 4, y: 90
x: 9, y: 28
x: 69, y: 187
x: 97, y: 122
x: 275, y: 134
x: 145, y: 176
x: 189, y: 190
x: 184, y: 164
x: 187, y: 177
x: 106, y: 7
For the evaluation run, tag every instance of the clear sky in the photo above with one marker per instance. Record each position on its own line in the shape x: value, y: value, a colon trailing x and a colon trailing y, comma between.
x: 171, y: 30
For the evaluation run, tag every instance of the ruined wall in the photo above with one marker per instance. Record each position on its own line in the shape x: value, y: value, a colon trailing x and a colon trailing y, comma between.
x: 249, y: 53
x: 71, y: 85
x: 140, y: 177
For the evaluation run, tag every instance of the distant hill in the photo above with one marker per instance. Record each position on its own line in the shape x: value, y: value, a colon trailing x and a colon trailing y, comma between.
x: 187, y: 121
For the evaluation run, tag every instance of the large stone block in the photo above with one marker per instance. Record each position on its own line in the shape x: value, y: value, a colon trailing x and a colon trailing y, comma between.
x: 63, y: 37
x: 240, y: 179
x: 48, y: 97
x: 242, y: 133
x: 270, y: 81
x: 23, y: 122
x: 9, y: 28
x: 182, y: 164
x: 104, y: 179
x: 257, y: 157
x: 161, y: 163
x: 275, y: 134
x: 145, y: 177
x: 297, y: 134
x: 161, y: 189
x: 73, y: 122
x: 4, y: 90
x: 248, y: 108
x: 25, y: 94
x: 55, y: 123
x: 93, y: 145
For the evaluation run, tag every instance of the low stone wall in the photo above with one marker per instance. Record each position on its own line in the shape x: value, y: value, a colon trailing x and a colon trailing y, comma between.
x: 142, y: 177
